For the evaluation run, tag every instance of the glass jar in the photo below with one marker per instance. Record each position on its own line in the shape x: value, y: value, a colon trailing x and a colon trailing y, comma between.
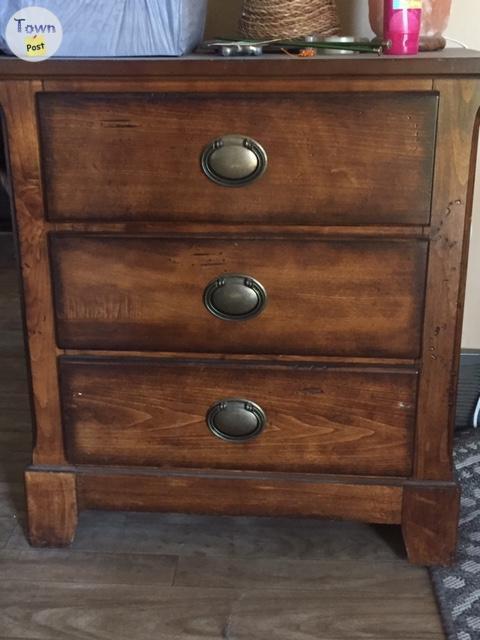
x: 435, y: 16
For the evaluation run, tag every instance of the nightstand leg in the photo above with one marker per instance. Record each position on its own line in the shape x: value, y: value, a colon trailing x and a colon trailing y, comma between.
x: 430, y: 524
x: 52, y: 508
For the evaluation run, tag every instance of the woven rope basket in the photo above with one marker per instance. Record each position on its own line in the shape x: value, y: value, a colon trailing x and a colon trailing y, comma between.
x: 269, y: 19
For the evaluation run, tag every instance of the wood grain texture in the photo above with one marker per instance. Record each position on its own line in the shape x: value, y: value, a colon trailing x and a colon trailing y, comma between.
x: 61, y: 565
x: 238, y: 494
x: 218, y: 537
x: 250, y: 358
x: 324, y: 576
x: 17, y: 100
x: 52, y: 508
x: 354, y: 289
x: 362, y: 298
x: 149, y: 412
x: 116, y: 611
x: 118, y: 560
x: 205, y: 84
x: 234, y: 231
x: 451, y: 214
x: 451, y: 61
x: 430, y: 524
x: 333, y: 159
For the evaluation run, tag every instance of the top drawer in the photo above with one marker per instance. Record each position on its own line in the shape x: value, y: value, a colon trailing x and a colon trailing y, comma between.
x: 332, y: 158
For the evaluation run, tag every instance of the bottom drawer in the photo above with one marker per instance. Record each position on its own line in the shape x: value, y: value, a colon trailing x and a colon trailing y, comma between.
x: 305, y: 418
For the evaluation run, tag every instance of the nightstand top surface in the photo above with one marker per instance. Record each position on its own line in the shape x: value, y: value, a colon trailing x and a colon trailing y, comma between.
x: 450, y: 62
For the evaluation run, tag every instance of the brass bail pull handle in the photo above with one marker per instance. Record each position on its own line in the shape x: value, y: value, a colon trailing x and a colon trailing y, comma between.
x: 234, y: 296
x: 234, y: 161
x: 236, y: 419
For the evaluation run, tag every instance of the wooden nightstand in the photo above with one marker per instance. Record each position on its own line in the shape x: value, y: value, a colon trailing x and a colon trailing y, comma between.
x: 243, y: 285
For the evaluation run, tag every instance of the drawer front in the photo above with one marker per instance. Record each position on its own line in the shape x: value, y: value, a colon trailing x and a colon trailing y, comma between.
x: 132, y: 412
x: 349, y: 298
x: 332, y: 159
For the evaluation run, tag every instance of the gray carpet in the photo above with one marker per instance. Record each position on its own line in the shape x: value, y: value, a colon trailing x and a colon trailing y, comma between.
x: 458, y: 587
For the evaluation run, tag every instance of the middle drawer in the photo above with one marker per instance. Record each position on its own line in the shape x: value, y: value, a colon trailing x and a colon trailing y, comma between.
x: 297, y: 296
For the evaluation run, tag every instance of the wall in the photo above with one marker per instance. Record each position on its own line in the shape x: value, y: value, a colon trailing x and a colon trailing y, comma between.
x: 223, y: 17
x: 464, y: 27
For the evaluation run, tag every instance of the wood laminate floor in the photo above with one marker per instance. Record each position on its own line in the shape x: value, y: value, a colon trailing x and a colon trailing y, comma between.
x: 177, y: 577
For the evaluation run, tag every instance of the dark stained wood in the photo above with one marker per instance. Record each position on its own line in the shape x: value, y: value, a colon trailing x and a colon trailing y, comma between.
x: 429, y: 524
x: 130, y: 279
x: 280, y: 232
x: 145, y: 412
x: 18, y: 103
x: 239, y: 494
x: 125, y: 558
x: 255, y: 358
x: 214, y: 84
x: 443, y: 63
x: 333, y: 159
x: 275, y: 539
x: 52, y: 508
x: 123, y: 612
x: 342, y: 298
x: 54, y: 565
x: 325, y: 576
x: 459, y: 119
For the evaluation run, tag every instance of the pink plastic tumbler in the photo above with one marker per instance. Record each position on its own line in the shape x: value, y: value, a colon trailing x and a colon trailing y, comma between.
x: 402, y: 22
